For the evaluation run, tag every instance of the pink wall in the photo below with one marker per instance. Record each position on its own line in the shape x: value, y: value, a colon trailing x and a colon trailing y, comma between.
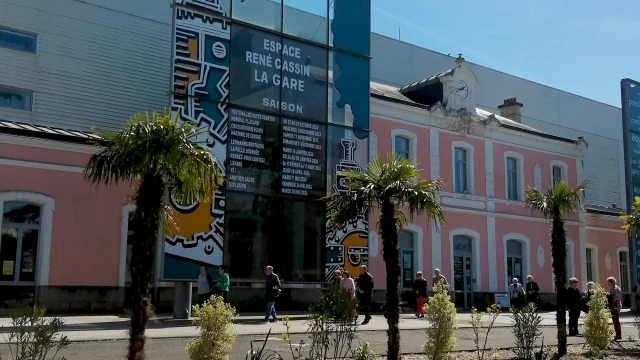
x: 85, y: 244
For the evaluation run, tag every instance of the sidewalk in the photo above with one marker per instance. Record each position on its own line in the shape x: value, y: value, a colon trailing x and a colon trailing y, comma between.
x: 100, y: 328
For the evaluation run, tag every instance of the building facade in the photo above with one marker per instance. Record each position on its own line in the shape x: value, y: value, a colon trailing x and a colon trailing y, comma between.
x: 72, y: 65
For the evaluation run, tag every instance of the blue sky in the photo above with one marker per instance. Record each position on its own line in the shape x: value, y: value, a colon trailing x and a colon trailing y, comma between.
x: 581, y: 46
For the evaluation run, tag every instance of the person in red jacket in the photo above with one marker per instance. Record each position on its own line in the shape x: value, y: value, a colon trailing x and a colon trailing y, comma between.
x: 420, y: 290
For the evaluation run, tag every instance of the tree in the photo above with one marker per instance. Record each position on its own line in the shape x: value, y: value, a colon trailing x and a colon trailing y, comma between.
x: 555, y: 204
x: 152, y: 153
x: 390, y: 188
x: 632, y: 221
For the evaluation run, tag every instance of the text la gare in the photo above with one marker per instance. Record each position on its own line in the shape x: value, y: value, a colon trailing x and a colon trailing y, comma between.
x: 287, y: 83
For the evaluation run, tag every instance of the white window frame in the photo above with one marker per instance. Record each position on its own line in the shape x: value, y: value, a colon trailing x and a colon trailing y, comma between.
x: 620, y: 250
x: 564, y: 170
x: 24, y: 33
x: 470, y: 164
x: 520, y: 164
x: 47, y: 207
x: 413, y: 143
x: 594, y: 262
x: 124, y: 235
x: 418, y: 235
x: 526, y: 257
x: 475, y: 246
x: 19, y: 91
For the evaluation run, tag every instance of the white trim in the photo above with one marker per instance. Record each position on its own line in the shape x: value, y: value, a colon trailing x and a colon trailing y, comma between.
x: 124, y: 234
x: 47, y: 144
x: 488, y: 160
x: 564, y: 170
x: 463, y: 202
x: 40, y: 165
x: 520, y: 163
x: 491, y: 252
x: 475, y: 253
x: 504, y: 216
x: 47, y: 207
x: 413, y: 143
x: 594, y: 262
x: 537, y: 177
x: 598, y: 228
x: 526, y: 256
x: 619, y: 250
x: 571, y: 261
x: 434, y: 144
x: 582, y: 243
x: 417, y: 245
x: 436, y: 246
x: 373, y: 145
x: 470, y: 160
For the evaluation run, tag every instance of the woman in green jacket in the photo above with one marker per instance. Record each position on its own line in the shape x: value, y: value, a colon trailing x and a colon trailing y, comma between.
x: 222, y: 286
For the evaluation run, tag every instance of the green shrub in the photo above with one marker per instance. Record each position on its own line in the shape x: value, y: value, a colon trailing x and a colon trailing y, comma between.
x: 597, y: 331
x: 216, y: 336
x: 440, y: 313
x: 477, y: 324
x: 526, y: 330
x: 33, y: 337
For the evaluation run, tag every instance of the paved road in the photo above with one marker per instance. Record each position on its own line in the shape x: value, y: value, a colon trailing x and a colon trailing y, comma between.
x: 411, y: 342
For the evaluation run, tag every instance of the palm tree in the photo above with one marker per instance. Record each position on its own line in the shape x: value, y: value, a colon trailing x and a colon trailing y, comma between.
x: 632, y: 221
x: 390, y: 188
x: 152, y: 153
x: 557, y: 202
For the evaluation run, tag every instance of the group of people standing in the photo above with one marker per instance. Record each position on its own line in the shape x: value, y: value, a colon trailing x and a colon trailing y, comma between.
x: 362, y: 285
x: 207, y: 287
x: 576, y: 301
x: 420, y: 288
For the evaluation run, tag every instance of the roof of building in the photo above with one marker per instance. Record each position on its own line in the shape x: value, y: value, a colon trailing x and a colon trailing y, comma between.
x: 393, y: 94
x: 46, y: 132
x: 604, y: 210
x: 417, y: 85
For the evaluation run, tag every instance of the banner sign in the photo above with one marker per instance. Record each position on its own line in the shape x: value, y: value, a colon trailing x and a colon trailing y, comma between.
x: 631, y: 132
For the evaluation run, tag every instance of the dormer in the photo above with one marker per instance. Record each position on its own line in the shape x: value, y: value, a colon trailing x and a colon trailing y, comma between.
x: 455, y: 89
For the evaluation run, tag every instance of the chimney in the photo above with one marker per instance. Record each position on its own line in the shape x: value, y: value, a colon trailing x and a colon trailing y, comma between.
x: 511, y: 109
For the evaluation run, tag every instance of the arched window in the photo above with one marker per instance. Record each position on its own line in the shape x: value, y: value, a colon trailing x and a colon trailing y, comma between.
x: 19, y: 243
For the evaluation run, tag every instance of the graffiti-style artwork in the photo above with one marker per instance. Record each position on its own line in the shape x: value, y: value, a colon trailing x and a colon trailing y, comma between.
x: 347, y: 247
x: 200, y: 91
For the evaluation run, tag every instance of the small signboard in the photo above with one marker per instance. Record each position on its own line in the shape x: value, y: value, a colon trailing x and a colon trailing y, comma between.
x: 503, y: 300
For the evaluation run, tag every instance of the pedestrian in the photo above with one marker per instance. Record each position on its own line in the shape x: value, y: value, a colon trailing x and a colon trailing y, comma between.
x: 337, y: 278
x: 575, y: 305
x: 516, y: 294
x: 615, y: 296
x: 272, y: 291
x: 533, y: 291
x: 222, y: 286
x: 205, y: 284
x: 437, y: 278
x: 586, y: 299
x: 348, y: 284
x: 365, y: 292
x: 420, y: 290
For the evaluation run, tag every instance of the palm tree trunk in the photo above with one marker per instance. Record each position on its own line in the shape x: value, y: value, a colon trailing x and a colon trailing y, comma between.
x: 559, y: 254
x: 145, y: 224
x: 391, y: 256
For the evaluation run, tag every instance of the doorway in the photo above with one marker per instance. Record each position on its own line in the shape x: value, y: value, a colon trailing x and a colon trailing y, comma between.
x: 463, y: 273
x: 406, y: 260
x: 514, y: 261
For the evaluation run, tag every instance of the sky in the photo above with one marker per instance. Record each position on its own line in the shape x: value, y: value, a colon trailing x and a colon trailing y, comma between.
x: 581, y: 46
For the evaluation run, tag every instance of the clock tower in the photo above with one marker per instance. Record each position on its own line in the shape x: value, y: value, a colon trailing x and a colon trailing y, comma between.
x: 459, y: 88
x: 455, y: 89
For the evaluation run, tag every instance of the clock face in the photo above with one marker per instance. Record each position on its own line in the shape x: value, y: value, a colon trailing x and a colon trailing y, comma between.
x: 461, y: 89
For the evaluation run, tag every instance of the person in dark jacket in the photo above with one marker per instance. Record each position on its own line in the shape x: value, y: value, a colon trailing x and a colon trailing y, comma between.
x: 586, y: 297
x: 420, y: 290
x: 364, y: 283
x: 272, y: 291
x: 533, y: 291
x: 575, y: 305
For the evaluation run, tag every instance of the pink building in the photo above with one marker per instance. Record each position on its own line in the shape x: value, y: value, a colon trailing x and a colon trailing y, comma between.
x: 65, y: 241
x: 487, y: 161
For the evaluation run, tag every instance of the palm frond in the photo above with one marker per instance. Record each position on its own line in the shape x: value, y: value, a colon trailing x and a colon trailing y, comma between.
x: 558, y: 201
x: 632, y: 221
x: 156, y: 144
x: 395, y: 180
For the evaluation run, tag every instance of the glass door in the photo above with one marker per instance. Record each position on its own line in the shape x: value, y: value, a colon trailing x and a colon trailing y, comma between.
x: 407, y: 269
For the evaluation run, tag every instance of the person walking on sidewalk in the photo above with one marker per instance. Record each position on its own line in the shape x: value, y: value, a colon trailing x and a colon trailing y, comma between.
x: 222, y: 287
x: 205, y: 283
x: 420, y: 290
x: 348, y: 284
x: 615, y: 296
x: 574, y: 304
x: 437, y: 278
x: 516, y: 294
x: 365, y: 292
x: 272, y: 291
x: 533, y: 291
